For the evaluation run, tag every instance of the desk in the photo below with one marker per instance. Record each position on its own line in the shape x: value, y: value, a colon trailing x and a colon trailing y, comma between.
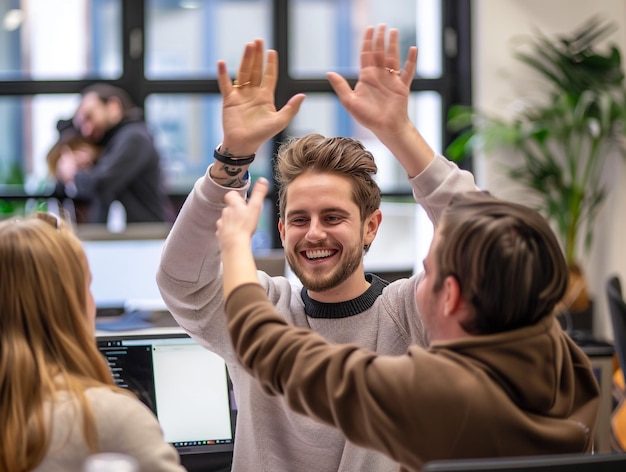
x: 601, y: 357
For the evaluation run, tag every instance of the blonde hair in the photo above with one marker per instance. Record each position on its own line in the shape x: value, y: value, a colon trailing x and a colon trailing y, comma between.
x: 46, y: 342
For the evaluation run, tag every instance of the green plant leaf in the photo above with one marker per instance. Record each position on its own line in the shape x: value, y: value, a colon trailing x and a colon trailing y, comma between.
x: 563, y: 139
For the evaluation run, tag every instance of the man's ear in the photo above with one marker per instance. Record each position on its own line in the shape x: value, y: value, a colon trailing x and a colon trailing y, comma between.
x: 371, y: 226
x: 453, y: 299
x: 281, y: 231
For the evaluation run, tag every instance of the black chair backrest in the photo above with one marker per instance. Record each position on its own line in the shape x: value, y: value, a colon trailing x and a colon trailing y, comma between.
x: 606, y: 462
x: 617, y: 309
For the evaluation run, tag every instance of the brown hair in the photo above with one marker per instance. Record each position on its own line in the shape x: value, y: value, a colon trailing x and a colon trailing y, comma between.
x: 46, y: 342
x: 107, y: 92
x: 70, y: 137
x: 346, y: 157
x: 506, y: 258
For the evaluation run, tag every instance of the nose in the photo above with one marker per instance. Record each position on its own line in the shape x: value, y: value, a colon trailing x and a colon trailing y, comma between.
x: 316, y: 231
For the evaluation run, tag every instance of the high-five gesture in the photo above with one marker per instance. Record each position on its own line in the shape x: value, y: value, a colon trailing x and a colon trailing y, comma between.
x: 328, y: 216
x: 249, y: 114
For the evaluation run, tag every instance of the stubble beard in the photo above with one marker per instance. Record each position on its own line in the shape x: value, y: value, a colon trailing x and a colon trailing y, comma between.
x: 320, y: 282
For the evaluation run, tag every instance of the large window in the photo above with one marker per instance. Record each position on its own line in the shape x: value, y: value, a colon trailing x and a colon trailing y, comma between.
x: 163, y: 52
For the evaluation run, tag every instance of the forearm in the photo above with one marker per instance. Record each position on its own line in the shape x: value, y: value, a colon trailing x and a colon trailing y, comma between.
x: 189, y: 274
x: 408, y: 146
x: 228, y: 175
x: 438, y: 183
x: 238, y: 266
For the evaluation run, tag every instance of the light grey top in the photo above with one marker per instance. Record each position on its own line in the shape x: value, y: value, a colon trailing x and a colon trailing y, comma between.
x: 124, y: 424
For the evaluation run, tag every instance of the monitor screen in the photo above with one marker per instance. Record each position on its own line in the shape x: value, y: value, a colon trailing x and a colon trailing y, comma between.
x: 185, y: 385
x: 124, y: 273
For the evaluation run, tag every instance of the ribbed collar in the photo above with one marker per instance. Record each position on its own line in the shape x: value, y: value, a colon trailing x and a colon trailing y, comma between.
x: 357, y: 305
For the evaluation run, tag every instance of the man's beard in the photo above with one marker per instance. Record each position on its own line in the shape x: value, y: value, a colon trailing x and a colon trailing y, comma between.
x: 340, y: 273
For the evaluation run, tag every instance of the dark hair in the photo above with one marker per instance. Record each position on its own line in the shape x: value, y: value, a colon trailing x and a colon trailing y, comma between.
x: 506, y: 258
x: 315, y: 153
x: 106, y: 92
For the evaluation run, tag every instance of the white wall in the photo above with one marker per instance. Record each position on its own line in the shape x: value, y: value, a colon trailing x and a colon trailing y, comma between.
x: 498, y: 78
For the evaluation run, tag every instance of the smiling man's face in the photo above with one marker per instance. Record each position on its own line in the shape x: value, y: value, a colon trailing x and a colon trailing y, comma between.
x: 322, y: 234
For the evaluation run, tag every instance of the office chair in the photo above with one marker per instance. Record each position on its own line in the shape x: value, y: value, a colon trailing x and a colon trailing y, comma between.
x: 606, y: 462
x: 617, y: 310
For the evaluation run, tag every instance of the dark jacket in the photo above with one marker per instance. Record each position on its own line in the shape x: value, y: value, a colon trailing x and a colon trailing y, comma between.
x: 128, y: 170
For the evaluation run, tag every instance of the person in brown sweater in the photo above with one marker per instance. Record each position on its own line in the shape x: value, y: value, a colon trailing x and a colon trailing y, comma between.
x: 499, y: 378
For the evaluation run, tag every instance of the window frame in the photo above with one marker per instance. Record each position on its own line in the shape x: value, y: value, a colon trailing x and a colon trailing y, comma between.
x: 454, y: 86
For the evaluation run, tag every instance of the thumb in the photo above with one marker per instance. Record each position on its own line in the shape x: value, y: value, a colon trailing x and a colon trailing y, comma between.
x: 339, y: 84
x: 291, y: 108
x: 258, y: 192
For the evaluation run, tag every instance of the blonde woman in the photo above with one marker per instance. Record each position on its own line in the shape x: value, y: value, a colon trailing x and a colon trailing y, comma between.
x: 59, y: 401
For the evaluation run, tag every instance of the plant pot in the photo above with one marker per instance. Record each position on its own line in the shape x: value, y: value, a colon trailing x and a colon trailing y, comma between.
x: 575, y: 311
x: 576, y: 297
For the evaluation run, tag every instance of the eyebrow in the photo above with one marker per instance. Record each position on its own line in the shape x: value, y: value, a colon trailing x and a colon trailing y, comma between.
x: 343, y: 211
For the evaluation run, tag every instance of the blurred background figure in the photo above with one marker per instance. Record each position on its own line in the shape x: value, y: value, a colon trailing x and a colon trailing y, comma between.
x: 72, y: 144
x: 128, y: 169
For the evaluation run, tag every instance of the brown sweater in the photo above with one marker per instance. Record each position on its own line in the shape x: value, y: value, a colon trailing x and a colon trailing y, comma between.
x: 527, y: 391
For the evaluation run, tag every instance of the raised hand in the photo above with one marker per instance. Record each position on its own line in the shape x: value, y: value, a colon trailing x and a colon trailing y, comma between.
x: 239, y: 218
x: 379, y: 100
x: 249, y: 114
x: 234, y: 232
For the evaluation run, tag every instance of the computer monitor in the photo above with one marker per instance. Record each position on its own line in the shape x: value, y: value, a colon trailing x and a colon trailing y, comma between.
x: 185, y: 385
x: 124, y: 273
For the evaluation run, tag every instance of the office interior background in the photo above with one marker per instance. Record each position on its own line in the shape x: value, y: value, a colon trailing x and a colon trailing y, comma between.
x: 164, y: 53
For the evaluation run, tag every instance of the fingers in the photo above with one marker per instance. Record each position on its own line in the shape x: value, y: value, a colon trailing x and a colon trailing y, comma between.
x: 255, y: 73
x: 258, y: 192
x: 290, y: 109
x: 377, y: 51
x: 392, y: 55
x: 408, y: 71
x: 232, y: 198
x: 367, y: 58
x: 379, y: 47
x: 223, y: 79
x: 250, y: 68
x: 339, y: 84
x: 270, y: 79
x: 255, y: 199
x: 239, y: 215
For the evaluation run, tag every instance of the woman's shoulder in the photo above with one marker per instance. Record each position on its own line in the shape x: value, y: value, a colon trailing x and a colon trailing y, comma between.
x: 105, y: 399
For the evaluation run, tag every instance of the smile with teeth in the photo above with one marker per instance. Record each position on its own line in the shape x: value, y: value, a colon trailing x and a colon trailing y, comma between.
x: 318, y: 253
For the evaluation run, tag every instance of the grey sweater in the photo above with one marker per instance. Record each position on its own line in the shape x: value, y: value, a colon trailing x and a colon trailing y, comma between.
x: 269, y: 436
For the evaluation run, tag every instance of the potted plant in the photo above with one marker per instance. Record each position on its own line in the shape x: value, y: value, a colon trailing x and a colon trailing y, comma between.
x: 563, y: 139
